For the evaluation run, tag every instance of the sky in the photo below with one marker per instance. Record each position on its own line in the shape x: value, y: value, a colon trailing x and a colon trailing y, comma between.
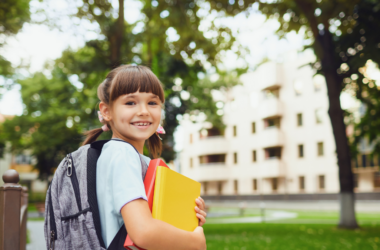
x: 37, y: 44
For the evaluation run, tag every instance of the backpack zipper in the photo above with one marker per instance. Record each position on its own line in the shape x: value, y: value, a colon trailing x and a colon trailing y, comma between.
x: 52, y: 234
x: 74, y: 180
x: 69, y: 166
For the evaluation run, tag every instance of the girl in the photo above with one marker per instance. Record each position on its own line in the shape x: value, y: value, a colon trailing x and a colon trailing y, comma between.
x: 131, y: 103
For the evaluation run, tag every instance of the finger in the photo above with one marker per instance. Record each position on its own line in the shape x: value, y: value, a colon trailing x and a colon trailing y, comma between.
x: 200, y: 203
x: 199, y: 211
x: 202, y: 220
x: 203, y: 203
x: 201, y: 199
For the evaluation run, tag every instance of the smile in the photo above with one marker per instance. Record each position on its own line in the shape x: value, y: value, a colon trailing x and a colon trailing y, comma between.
x: 141, y: 124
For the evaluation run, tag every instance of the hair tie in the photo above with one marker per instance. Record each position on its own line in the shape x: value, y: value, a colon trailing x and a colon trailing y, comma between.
x: 101, y: 119
x: 160, y: 130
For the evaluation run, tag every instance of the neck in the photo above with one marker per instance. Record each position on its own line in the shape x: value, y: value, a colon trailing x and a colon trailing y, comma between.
x: 139, y: 145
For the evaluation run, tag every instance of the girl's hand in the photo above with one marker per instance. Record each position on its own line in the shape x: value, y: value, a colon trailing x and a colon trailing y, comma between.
x: 200, y: 238
x: 200, y: 210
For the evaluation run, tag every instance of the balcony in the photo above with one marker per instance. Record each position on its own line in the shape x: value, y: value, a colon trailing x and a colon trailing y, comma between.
x: 272, y: 168
x: 271, y: 136
x: 211, y: 145
x: 271, y: 107
x: 211, y: 172
x: 362, y: 170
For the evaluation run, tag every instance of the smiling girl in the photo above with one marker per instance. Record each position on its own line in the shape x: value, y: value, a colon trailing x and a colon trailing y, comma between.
x: 131, y: 102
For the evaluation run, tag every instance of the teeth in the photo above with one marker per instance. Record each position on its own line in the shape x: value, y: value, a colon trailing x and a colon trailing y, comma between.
x: 142, y: 124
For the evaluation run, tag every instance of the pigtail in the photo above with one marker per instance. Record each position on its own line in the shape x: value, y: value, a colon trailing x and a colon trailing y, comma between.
x: 155, y: 145
x: 92, y: 135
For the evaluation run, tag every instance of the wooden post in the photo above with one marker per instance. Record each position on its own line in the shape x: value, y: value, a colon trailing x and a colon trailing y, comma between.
x: 10, y: 204
x: 23, y: 217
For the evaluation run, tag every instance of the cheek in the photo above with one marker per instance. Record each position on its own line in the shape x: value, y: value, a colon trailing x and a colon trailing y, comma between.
x: 157, y: 116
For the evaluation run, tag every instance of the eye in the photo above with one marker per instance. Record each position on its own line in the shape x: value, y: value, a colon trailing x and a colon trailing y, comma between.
x: 130, y: 103
x: 152, y: 103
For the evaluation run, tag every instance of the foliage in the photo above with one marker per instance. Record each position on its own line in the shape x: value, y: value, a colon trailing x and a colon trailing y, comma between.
x: 50, y: 104
x: 359, y: 51
x: 13, y: 14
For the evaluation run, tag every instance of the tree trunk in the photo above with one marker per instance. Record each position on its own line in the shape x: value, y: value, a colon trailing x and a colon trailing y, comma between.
x: 116, y: 37
x: 334, y: 88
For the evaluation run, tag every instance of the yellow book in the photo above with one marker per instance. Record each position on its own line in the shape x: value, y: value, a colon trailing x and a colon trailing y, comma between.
x: 174, y: 199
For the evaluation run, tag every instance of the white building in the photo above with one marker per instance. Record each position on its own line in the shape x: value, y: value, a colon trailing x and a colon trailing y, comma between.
x: 278, y: 137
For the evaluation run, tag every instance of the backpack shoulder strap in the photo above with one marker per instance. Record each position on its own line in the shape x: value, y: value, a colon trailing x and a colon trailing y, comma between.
x: 93, y: 154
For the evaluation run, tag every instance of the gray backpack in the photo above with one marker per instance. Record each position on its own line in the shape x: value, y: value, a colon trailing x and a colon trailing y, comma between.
x: 71, y: 210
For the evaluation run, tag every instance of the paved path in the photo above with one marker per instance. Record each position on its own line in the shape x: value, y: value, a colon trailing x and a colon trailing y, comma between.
x: 277, y: 215
x: 360, y: 206
x: 36, y: 235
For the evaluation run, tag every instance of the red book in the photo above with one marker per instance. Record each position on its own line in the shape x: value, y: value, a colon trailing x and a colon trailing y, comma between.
x: 149, y: 182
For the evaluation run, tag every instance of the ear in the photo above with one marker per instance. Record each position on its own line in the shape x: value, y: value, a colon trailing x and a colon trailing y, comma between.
x: 106, y: 111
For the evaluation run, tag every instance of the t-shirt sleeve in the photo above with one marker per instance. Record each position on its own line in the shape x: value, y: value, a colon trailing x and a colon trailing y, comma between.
x: 127, y: 177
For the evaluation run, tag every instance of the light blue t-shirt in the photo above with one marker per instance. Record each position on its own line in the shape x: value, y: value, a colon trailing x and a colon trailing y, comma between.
x: 119, y: 180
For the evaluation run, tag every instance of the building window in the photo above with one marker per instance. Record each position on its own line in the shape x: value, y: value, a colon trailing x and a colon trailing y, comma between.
x: 299, y: 120
x: 273, y: 153
x: 274, y: 184
x: 272, y: 122
x: 376, y: 180
x: 302, y: 183
x: 191, y: 138
x: 319, y: 116
x: 236, y: 188
x: 205, y: 133
x: 253, y: 127
x: 254, y: 159
x: 234, y: 131
x: 320, y: 148
x: 254, y: 184
x: 321, y: 182
x: 220, y: 187
x: 235, y: 158
x: 356, y: 180
x: 191, y: 162
x: 210, y: 159
x: 272, y: 93
x: 300, y: 151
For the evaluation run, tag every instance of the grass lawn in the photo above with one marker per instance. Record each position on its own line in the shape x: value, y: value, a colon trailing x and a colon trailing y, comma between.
x: 273, y: 236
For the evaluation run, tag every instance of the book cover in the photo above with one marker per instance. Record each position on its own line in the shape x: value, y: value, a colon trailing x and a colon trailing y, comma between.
x: 174, y: 199
x: 149, y: 182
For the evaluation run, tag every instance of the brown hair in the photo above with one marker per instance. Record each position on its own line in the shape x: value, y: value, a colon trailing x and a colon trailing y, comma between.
x: 127, y: 79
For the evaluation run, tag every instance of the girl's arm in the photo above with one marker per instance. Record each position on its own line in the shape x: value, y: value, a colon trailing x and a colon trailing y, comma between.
x: 150, y: 233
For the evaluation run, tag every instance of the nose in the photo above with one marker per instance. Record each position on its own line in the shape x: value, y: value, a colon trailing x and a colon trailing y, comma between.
x: 143, y: 111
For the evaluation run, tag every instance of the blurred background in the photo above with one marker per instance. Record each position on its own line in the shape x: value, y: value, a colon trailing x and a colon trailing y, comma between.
x: 272, y: 105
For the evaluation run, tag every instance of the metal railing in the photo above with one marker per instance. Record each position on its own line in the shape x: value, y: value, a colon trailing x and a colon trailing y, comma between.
x: 13, y: 212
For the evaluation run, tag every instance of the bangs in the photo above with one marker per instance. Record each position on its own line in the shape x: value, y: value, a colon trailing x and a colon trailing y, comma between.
x: 130, y: 78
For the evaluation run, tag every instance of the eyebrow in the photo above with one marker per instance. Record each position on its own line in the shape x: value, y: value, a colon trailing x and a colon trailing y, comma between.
x: 133, y: 96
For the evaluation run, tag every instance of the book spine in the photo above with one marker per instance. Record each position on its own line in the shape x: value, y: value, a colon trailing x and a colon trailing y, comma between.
x: 160, y: 179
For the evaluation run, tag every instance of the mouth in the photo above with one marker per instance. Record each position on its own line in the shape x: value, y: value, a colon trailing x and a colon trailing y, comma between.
x: 141, y: 124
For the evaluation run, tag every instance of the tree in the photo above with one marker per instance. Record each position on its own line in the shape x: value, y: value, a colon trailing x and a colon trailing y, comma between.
x: 359, y: 52
x: 325, y: 22
x: 178, y: 64
x: 50, y: 125
x: 13, y: 14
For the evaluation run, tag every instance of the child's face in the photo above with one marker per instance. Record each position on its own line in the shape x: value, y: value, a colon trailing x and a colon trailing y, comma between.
x: 135, y: 116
